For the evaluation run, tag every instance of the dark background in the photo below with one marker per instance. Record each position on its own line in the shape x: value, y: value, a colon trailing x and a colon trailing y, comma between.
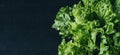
x: 25, y: 26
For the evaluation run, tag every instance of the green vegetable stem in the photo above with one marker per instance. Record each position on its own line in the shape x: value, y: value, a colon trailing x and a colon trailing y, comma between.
x: 91, y: 27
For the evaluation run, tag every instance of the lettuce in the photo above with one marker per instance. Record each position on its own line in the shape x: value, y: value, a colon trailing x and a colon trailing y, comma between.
x: 91, y: 27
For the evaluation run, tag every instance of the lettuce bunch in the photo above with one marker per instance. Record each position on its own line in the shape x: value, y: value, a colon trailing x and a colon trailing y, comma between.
x: 91, y: 27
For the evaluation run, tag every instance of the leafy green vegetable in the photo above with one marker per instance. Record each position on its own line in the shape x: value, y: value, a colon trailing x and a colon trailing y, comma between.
x: 91, y: 27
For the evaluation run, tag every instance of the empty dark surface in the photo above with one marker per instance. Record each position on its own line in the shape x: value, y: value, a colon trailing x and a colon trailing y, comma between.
x: 25, y: 26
